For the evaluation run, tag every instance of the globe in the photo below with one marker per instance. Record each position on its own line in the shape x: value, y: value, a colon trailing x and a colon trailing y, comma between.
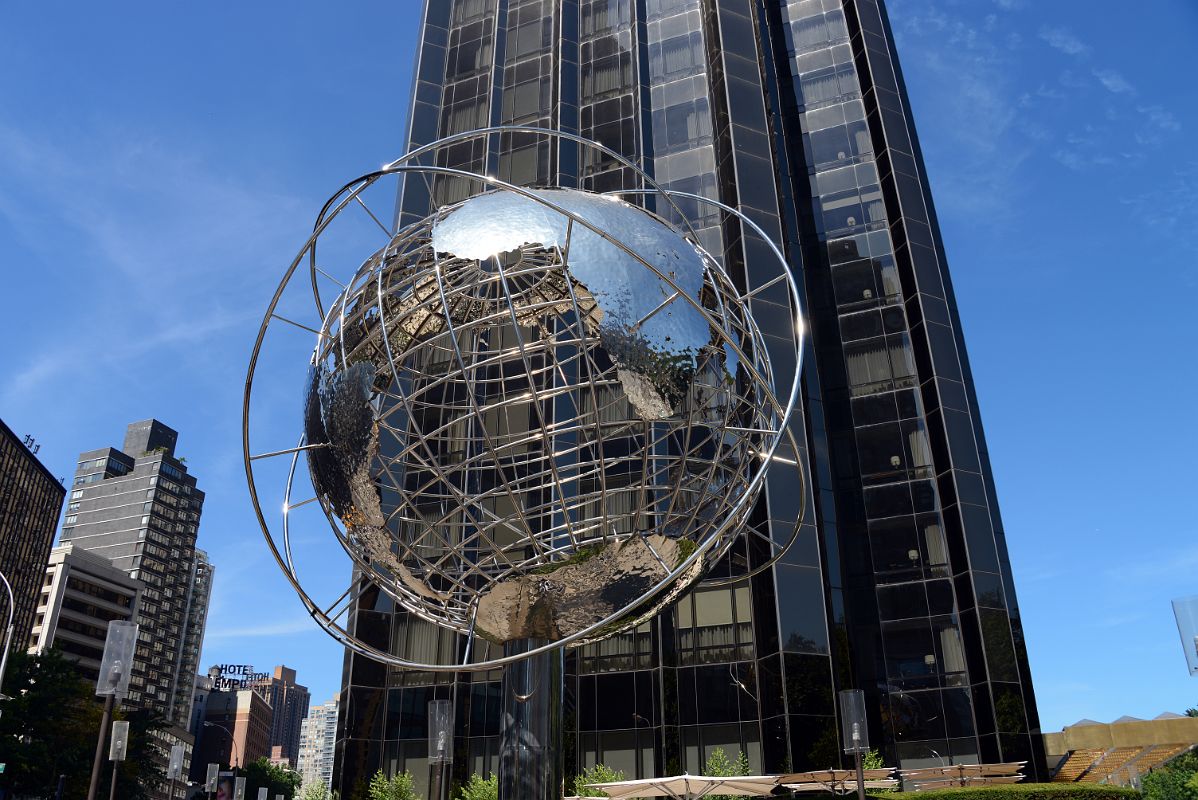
x: 539, y: 414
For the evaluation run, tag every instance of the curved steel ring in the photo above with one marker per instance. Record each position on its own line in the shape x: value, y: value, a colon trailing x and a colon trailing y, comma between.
x: 799, y: 330
x: 466, y: 136
x: 287, y: 564
x: 745, y: 361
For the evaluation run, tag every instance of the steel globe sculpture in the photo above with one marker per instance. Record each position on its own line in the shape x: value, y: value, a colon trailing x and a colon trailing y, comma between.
x: 535, y: 415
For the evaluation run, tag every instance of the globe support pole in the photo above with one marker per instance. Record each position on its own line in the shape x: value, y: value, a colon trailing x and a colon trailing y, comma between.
x: 530, y: 751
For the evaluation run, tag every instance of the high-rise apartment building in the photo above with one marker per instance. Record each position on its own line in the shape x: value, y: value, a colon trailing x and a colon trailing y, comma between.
x: 900, y: 584
x: 289, y: 701
x: 81, y: 595
x: 193, y: 631
x: 139, y: 508
x: 318, y: 738
x: 30, y: 501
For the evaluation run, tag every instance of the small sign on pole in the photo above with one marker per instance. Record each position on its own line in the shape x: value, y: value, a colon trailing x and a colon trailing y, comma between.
x: 210, y: 780
x: 239, y: 788
x: 263, y: 792
x: 120, y: 740
x: 116, y: 666
x: 175, y: 770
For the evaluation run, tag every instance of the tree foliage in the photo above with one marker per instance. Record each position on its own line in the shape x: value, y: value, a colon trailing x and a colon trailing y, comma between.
x: 1021, y: 791
x: 479, y: 788
x: 872, y: 759
x: 313, y: 791
x: 277, y: 780
x: 397, y: 787
x: 1176, y: 780
x: 49, y: 729
x: 599, y: 773
x: 721, y: 765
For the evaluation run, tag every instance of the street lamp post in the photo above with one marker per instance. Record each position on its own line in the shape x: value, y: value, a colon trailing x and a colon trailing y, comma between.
x: 7, y: 634
x: 855, y: 731
x: 116, y: 752
x: 113, y: 683
x: 440, y: 748
x: 211, y: 779
x: 232, y: 741
x: 175, y: 769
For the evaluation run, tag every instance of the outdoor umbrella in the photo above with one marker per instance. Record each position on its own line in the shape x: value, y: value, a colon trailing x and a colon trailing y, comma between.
x: 837, y: 781
x: 689, y: 787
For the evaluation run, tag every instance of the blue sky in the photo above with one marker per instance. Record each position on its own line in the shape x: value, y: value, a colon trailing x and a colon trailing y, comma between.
x: 161, y: 164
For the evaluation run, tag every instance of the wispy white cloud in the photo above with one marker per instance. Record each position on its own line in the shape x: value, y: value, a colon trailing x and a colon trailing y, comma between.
x: 1063, y: 39
x: 218, y: 633
x: 1158, y: 566
x: 1112, y: 81
x: 1158, y: 124
x: 156, y: 240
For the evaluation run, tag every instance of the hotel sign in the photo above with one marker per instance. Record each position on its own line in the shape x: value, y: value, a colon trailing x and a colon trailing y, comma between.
x: 235, y: 676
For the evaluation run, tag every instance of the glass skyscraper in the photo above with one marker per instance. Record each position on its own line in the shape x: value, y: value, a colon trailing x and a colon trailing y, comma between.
x: 900, y: 583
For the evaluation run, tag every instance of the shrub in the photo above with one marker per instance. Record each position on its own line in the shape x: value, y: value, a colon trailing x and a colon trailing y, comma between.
x: 600, y: 773
x: 479, y: 788
x: 719, y: 765
x: 1023, y: 791
x: 397, y: 787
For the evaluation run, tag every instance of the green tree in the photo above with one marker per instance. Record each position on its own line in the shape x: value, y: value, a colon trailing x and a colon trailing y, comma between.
x: 314, y: 791
x: 479, y: 788
x: 142, y: 771
x: 277, y: 780
x: 397, y: 787
x: 873, y: 759
x: 599, y: 773
x: 1192, y: 712
x: 49, y: 728
x: 720, y: 765
x: 1176, y: 780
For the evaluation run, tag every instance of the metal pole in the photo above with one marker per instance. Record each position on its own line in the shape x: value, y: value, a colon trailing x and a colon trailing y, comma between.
x: 95, y: 781
x: 530, y: 751
x: 860, y: 777
x: 112, y: 789
x: 171, y: 788
x: 438, y: 783
x: 8, y: 631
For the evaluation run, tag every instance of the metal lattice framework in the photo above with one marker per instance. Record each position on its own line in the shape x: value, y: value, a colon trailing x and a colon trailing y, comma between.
x: 474, y: 419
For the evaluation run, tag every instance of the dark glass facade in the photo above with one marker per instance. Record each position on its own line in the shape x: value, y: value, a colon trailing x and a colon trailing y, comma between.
x: 900, y: 584
x: 30, y: 501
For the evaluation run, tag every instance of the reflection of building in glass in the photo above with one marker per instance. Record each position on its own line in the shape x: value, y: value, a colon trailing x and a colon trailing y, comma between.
x: 82, y: 593
x: 289, y: 702
x: 318, y: 737
x: 30, y: 499
x: 140, y: 509
x: 900, y: 585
